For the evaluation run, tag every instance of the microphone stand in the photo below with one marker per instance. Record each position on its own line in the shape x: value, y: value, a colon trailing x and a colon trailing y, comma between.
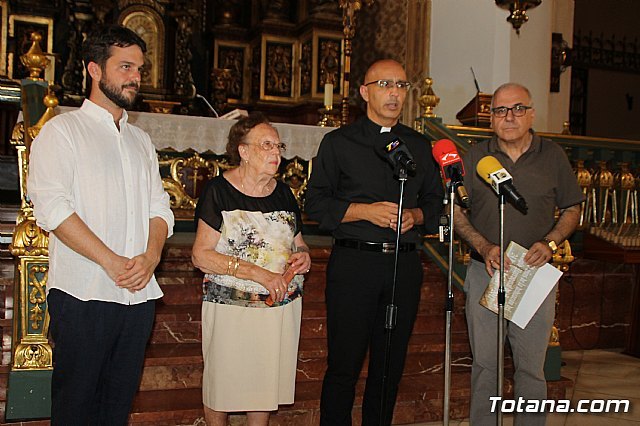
x: 392, y: 309
x: 449, y: 310
x: 501, y: 300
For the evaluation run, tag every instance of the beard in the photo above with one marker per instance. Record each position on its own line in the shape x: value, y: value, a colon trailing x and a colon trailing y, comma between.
x: 116, y: 95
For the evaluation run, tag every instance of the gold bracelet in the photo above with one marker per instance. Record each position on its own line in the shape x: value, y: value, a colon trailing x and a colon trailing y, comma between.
x: 229, y: 265
x: 236, y: 266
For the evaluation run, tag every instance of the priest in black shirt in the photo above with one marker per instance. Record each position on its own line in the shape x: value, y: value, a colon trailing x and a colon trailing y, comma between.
x: 353, y: 194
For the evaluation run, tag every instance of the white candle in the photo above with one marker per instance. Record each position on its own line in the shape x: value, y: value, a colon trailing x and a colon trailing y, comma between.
x: 50, y: 70
x: 328, y: 96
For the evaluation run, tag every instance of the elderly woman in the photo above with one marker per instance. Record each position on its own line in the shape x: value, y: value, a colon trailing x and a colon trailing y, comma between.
x: 249, y: 245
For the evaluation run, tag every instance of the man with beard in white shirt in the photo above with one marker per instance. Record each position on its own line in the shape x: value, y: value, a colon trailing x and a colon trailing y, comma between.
x: 95, y: 185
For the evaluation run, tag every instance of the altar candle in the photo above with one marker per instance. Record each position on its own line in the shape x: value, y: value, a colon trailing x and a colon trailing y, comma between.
x: 50, y: 70
x: 328, y: 95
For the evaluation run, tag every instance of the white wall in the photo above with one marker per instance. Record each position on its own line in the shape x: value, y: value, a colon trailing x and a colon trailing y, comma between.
x: 467, y: 33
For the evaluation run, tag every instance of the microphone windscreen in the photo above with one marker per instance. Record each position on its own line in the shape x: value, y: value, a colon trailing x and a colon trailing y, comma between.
x: 441, y: 148
x: 486, y: 166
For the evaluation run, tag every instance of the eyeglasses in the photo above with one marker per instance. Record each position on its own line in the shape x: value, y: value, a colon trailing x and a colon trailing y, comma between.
x: 269, y: 145
x: 518, y: 111
x: 390, y: 84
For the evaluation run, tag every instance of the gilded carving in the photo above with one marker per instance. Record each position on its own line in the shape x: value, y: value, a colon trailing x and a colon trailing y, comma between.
x: 187, y: 179
x: 232, y: 59
x: 279, y: 70
x: 184, y: 79
x: 32, y: 356
x: 37, y: 294
x: 296, y: 177
x: 29, y: 239
x: 306, y: 67
x: 428, y: 100
x: 329, y: 60
x: 35, y: 60
x: 32, y: 349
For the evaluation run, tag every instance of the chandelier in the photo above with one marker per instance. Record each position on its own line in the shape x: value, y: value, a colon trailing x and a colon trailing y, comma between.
x: 518, y: 10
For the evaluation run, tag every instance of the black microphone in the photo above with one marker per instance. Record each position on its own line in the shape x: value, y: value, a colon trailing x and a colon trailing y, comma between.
x: 490, y: 169
x: 451, y: 166
x: 397, y: 153
x: 208, y: 104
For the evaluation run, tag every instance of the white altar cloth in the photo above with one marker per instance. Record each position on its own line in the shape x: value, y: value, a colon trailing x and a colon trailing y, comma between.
x: 202, y: 134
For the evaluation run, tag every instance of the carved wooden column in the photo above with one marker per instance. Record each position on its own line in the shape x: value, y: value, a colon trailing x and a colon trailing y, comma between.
x: 349, y: 10
x: 184, y: 84
x: 29, y: 388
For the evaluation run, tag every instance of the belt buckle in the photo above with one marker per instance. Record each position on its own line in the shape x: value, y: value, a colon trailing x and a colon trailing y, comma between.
x: 388, y: 247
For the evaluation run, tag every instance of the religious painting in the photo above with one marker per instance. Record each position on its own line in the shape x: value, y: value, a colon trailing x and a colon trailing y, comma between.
x: 146, y: 22
x: 233, y: 57
x: 20, y: 28
x: 278, y: 82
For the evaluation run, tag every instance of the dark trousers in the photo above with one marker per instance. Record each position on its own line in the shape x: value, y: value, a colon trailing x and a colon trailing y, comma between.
x: 97, y: 358
x: 358, y: 290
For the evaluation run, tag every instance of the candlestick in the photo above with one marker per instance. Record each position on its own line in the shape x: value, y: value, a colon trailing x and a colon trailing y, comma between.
x: 328, y: 95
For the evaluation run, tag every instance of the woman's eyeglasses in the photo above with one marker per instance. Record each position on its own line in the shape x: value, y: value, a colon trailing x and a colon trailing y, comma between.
x: 269, y: 145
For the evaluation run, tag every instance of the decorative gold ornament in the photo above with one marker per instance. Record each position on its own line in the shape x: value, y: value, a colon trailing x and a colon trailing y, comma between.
x: 428, y: 100
x: 329, y: 117
x: 518, y: 10
x: 296, y: 177
x: 35, y: 60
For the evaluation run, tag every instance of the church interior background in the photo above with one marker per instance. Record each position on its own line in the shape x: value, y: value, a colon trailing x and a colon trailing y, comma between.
x: 301, y: 63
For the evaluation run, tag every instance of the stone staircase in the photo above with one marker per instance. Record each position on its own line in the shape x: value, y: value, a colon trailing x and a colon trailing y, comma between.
x: 170, y: 390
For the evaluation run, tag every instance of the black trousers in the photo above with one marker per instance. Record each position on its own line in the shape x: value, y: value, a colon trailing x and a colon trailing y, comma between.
x: 358, y: 291
x: 97, y: 358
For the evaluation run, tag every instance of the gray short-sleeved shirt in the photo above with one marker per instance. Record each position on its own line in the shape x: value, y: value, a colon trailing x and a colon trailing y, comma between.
x: 542, y: 175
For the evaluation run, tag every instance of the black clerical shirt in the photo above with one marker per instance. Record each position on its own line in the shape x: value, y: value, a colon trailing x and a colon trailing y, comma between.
x: 351, y: 168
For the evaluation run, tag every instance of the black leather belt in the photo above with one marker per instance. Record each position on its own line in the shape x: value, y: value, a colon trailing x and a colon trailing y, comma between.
x: 476, y: 256
x: 377, y: 247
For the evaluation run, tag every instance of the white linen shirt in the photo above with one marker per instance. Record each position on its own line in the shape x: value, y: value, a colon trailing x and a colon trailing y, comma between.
x: 81, y: 163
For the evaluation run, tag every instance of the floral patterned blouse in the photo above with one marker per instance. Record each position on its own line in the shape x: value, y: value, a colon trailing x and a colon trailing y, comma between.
x: 259, y: 230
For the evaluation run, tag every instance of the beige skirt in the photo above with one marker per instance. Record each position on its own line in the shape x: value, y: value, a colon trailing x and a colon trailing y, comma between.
x: 250, y: 356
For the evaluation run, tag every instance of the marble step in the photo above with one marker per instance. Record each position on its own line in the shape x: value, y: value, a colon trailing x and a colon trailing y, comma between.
x: 419, y: 400
x: 185, y: 287
x: 177, y: 323
x: 178, y: 366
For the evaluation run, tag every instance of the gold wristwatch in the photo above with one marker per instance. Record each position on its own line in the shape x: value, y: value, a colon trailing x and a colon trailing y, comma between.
x: 552, y: 245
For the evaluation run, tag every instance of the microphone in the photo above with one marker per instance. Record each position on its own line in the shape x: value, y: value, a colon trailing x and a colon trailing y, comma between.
x: 397, y: 153
x: 490, y: 169
x: 208, y: 104
x: 475, y: 81
x: 451, y: 167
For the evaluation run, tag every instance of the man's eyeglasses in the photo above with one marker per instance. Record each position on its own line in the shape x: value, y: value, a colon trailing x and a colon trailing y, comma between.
x: 390, y: 84
x: 269, y: 145
x: 518, y: 111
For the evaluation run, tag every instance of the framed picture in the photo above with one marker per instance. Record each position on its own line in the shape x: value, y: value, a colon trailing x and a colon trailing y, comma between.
x: 20, y: 29
x: 146, y: 22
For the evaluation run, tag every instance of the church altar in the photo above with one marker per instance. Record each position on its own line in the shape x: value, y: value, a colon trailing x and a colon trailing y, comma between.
x: 202, y: 134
